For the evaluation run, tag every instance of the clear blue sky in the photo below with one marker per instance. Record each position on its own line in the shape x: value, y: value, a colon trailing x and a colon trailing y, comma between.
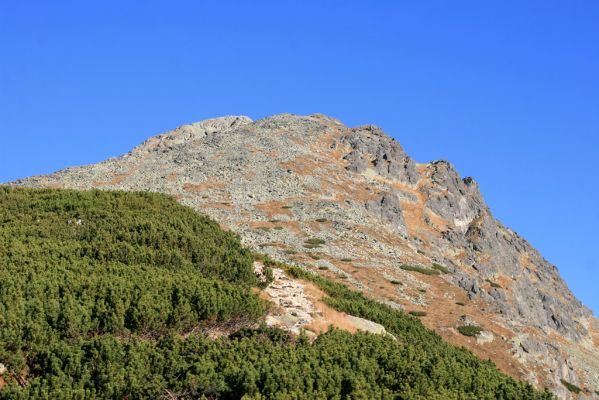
x: 508, y: 91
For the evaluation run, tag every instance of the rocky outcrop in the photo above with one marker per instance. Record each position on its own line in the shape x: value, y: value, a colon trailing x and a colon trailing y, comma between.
x: 298, y: 308
x: 352, y: 205
x: 454, y: 199
x: 372, y: 148
x: 388, y: 209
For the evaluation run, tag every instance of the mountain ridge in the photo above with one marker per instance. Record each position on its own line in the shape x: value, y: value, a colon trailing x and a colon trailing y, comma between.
x: 281, y: 180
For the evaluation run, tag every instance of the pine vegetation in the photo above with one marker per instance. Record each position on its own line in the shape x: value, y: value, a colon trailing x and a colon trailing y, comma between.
x: 104, y: 294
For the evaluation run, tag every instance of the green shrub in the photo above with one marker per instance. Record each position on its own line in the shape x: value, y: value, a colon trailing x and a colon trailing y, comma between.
x: 417, y: 313
x: 571, y: 387
x: 493, y: 284
x: 315, y: 241
x: 264, y: 363
x: 346, y: 260
x: 269, y: 277
x: 469, y: 330
x: 314, y: 256
x: 395, y: 282
x: 290, y: 251
x: 311, y: 246
x: 418, y: 269
x: 287, y: 207
x: 321, y: 220
x: 460, y: 303
x: 441, y: 268
x: 112, y: 304
x: 80, y: 264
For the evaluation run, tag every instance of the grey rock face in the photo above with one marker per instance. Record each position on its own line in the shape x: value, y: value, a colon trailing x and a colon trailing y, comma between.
x: 388, y: 208
x: 451, y: 197
x: 493, y: 250
x: 470, y: 285
x: 372, y: 147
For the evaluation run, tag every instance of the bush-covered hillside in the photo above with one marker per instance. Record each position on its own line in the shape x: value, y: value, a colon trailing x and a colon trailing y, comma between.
x: 82, y: 264
x: 102, y: 295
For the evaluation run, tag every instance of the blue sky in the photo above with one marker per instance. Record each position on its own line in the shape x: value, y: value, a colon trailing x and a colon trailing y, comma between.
x: 508, y: 91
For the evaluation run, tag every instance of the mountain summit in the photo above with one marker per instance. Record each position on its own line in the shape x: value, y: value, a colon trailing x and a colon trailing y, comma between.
x: 350, y: 204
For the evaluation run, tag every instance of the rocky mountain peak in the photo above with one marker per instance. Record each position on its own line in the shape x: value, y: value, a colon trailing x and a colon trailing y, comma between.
x: 194, y: 131
x: 350, y: 204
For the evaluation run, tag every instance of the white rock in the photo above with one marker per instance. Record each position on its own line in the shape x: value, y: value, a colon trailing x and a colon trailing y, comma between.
x: 367, y: 325
x: 485, y: 337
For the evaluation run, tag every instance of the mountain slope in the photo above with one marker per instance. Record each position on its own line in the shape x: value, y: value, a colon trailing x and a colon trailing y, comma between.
x: 112, y: 295
x: 350, y: 204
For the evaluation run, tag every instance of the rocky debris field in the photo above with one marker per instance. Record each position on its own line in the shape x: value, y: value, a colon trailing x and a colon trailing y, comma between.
x: 298, y: 307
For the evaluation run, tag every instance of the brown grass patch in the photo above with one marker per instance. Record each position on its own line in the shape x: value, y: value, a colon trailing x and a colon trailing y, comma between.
x: 200, y: 187
x: 276, y: 208
x: 505, y: 281
x: 302, y: 165
x: 218, y: 205
x: 437, y: 221
x: 325, y: 316
x: 413, y: 214
x: 116, y: 179
x: 217, y: 155
x: 172, y: 177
